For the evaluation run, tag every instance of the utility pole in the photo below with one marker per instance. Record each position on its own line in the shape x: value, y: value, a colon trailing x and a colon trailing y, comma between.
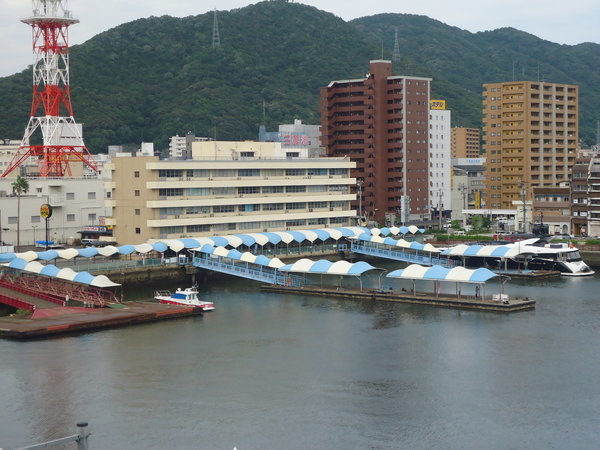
x: 359, y: 184
x: 523, y: 197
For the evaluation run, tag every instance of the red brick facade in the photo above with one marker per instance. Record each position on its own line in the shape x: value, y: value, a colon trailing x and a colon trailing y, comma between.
x: 381, y: 123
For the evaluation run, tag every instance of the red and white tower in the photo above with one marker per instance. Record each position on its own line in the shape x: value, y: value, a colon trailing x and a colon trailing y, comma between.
x: 51, y: 109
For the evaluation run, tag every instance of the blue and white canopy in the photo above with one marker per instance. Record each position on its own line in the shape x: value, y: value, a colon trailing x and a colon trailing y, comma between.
x: 385, y: 231
x: 68, y: 274
x: 456, y: 274
x: 323, y: 266
x: 236, y: 255
x: 494, y: 251
x: 398, y: 243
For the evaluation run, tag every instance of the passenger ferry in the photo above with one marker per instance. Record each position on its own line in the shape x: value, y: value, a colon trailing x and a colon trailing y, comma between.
x: 552, y: 256
x: 186, y: 297
x: 531, y: 254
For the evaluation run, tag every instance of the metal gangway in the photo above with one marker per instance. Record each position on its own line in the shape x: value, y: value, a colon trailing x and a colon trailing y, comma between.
x: 412, y: 256
x: 251, y: 271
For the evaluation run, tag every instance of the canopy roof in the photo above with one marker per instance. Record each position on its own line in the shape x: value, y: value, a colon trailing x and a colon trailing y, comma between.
x: 497, y: 251
x: 69, y: 274
x: 238, y: 256
x: 457, y: 274
x: 384, y: 231
x: 398, y: 243
x: 323, y: 266
x: 177, y: 245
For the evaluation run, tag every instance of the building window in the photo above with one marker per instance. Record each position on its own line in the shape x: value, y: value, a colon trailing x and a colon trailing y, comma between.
x: 137, y: 212
x: 92, y: 217
x: 35, y: 219
x: 136, y: 174
x: 138, y: 231
x: 136, y: 193
x: 12, y: 219
x: 70, y: 217
x: 39, y: 190
x: 91, y: 196
x: 70, y: 195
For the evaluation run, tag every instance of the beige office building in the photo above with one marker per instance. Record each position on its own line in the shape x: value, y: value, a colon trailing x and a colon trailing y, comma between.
x: 465, y: 142
x: 227, y: 189
x: 530, y: 136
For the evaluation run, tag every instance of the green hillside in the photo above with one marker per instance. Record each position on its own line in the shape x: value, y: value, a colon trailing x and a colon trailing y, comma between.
x: 156, y: 77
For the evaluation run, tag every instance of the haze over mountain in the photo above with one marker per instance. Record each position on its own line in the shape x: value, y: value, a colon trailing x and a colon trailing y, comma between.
x: 156, y: 77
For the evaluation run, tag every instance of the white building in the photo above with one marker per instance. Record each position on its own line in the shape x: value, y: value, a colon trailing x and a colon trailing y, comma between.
x: 76, y: 202
x: 177, y: 147
x: 440, y: 157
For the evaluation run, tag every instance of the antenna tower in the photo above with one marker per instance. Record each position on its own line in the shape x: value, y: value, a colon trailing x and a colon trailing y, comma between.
x: 216, y: 38
x: 396, y: 54
x: 51, y: 109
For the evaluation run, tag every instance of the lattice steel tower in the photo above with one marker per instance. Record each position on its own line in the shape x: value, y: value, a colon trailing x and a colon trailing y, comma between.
x: 51, y: 109
x: 216, y: 37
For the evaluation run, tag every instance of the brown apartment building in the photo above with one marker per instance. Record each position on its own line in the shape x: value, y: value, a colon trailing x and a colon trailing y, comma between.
x: 381, y: 122
x: 530, y: 135
x: 465, y: 142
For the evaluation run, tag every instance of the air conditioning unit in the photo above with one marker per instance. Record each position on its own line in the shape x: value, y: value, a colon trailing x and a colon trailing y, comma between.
x: 212, y: 215
x: 310, y: 210
x: 330, y: 209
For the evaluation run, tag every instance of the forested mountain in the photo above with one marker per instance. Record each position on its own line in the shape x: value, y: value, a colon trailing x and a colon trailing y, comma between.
x: 156, y: 77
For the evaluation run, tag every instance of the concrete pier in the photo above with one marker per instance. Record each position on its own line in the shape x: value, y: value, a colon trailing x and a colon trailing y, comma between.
x: 79, y: 320
x: 442, y: 300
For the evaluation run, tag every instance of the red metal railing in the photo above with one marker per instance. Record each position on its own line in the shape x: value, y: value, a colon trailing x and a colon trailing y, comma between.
x: 18, y: 287
x: 16, y: 303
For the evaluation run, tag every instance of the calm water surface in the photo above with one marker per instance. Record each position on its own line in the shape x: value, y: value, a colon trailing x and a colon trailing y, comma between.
x: 276, y: 371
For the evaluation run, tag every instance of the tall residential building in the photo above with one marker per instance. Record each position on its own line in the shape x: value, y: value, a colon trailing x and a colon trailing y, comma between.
x: 465, y: 142
x: 381, y: 122
x: 440, y: 160
x: 530, y: 137
x: 594, y: 197
x: 227, y: 188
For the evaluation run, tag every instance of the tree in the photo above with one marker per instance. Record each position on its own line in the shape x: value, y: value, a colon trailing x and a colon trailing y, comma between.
x: 19, y: 186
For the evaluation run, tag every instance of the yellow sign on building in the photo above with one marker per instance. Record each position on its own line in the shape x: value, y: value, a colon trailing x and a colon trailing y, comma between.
x: 437, y: 104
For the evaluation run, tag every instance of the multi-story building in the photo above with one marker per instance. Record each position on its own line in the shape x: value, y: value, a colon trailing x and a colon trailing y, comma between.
x: 552, y: 207
x: 293, y: 136
x: 381, y: 122
x: 465, y: 142
x: 225, y: 190
x: 579, y: 194
x: 468, y: 184
x: 180, y: 147
x: 594, y: 197
x: 76, y: 203
x: 177, y: 147
x: 530, y: 137
x: 440, y: 161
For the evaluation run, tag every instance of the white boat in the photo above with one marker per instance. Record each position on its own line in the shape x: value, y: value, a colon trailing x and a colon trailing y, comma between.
x: 185, y: 297
x: 553, y: 256
x: 532, y: 254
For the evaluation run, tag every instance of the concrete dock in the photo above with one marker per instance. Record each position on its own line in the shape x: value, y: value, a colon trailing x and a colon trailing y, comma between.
x: 79, y: 320
x: 442, y: 300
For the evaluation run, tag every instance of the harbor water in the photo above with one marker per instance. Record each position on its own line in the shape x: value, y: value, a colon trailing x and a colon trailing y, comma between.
x: 266, y: 371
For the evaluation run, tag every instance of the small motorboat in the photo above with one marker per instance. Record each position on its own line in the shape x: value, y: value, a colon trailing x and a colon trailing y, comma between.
x: 185, y: 297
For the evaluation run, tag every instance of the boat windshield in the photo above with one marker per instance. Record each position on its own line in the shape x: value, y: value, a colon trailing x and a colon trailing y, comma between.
x: 573, y: 256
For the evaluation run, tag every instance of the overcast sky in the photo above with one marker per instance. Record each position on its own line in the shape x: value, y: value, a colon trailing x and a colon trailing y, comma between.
x: 565, y: 22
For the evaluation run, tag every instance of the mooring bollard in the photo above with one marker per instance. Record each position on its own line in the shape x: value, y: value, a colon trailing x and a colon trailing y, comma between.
x: 82, y: 436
